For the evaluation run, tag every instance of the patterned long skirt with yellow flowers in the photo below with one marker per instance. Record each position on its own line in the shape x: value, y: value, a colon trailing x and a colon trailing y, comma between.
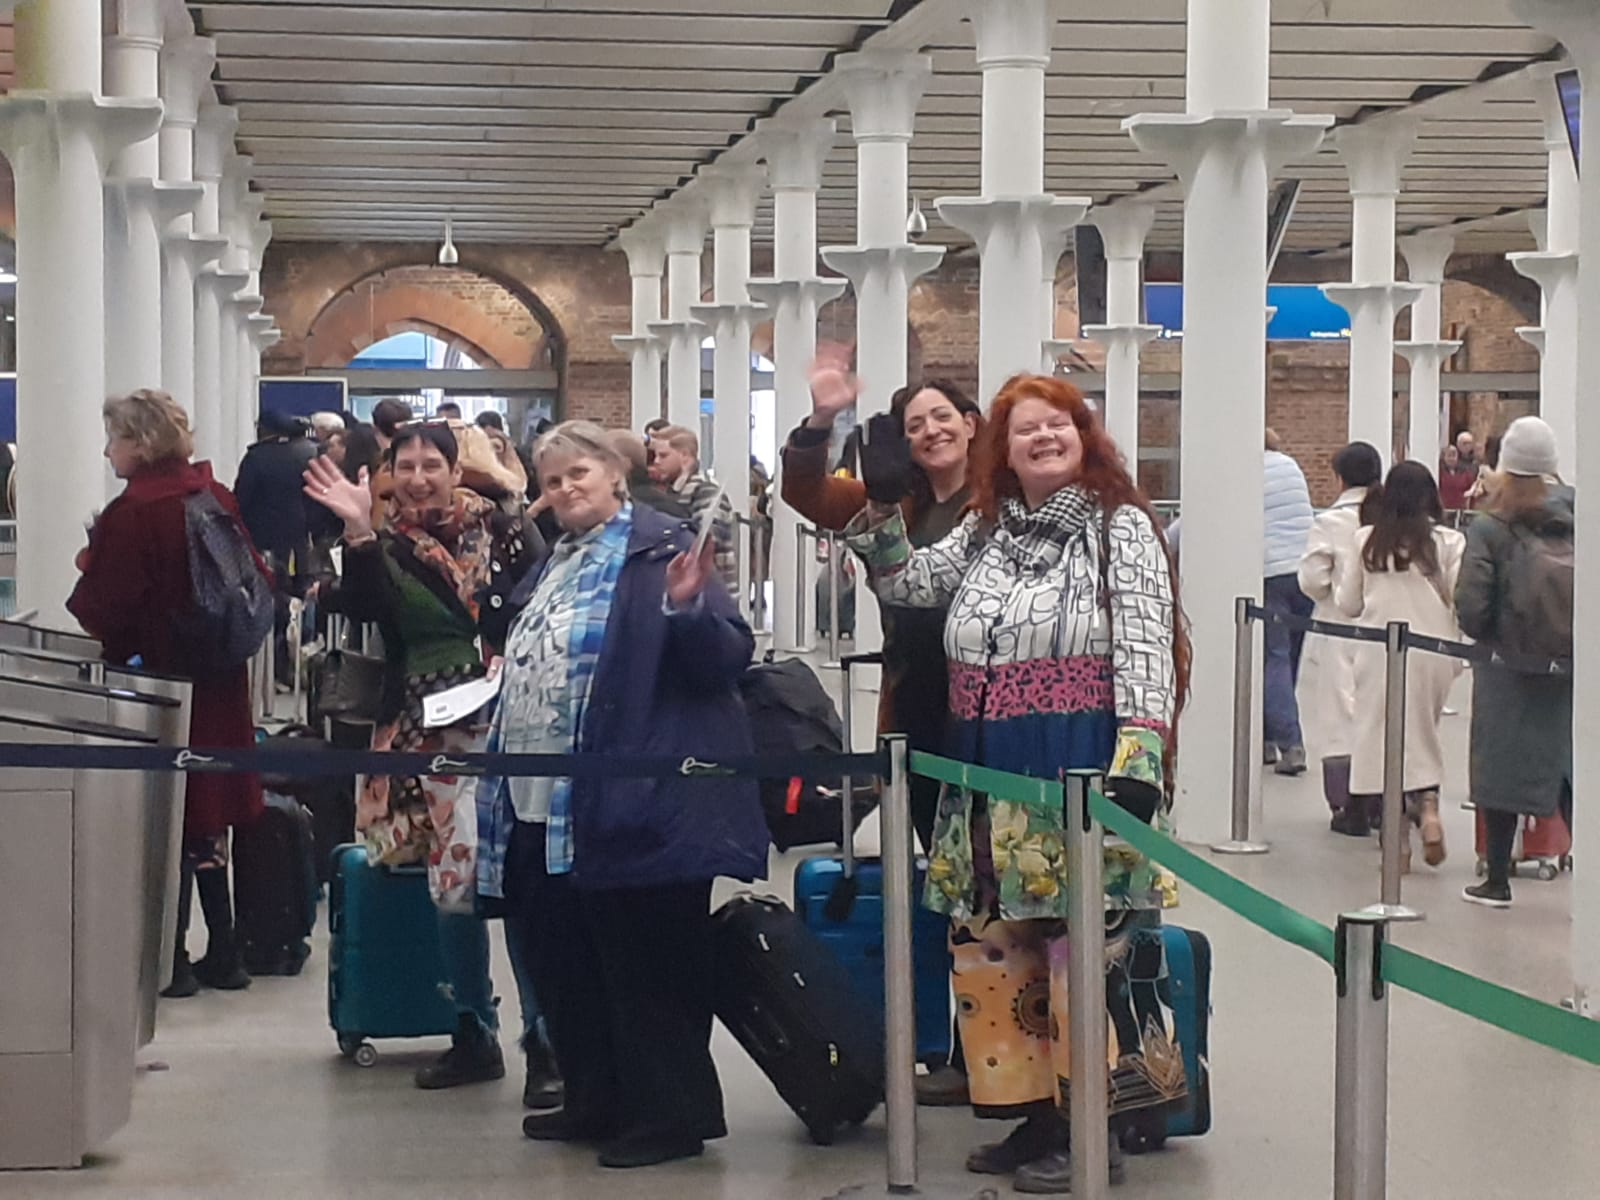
x: 1010, y: 982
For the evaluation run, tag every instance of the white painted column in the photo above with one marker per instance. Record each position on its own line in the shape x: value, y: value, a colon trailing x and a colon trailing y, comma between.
x: 1224, y: 147
x: 1123, y: 227
x: 1554, y: 267
x: 883, y: 88
x: 1010, y: 220
x: 684, y: 226
x: 1577, y: 24
x: 731, y: 193
x: 133, y: 233
x: 795, y: 152
x: 646, y: 264
x: 214, y: 285
x: 1426, y: 255
x: 1374, y: 155
x: 186, y: 65
x: 258, y: 233
x: 60, y: 136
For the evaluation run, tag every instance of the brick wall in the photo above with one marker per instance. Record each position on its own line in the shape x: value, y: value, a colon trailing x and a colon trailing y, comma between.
x: 520, y: 306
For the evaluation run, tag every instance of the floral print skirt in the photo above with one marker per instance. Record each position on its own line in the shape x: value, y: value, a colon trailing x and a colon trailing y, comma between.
x: 396, y: 815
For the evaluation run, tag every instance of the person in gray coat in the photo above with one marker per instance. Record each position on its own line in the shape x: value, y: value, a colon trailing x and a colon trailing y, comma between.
x: 1521, y: 757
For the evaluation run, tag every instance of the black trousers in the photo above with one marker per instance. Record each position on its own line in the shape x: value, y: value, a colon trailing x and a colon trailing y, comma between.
x: 625, y: 981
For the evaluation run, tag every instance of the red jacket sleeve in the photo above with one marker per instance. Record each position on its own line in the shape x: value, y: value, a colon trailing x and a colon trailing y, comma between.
x: 115, y: 588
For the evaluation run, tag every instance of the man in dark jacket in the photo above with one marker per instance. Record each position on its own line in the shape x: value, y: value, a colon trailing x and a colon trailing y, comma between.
x: 271, y: 494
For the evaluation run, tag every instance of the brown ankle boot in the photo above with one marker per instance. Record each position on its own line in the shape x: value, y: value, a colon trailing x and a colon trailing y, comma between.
x: 1433, y: 851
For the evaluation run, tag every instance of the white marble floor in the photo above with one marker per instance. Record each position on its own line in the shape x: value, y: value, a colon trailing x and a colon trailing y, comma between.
x: 257, y: 1103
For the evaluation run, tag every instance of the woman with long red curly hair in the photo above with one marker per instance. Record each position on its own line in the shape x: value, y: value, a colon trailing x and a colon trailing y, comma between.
x: 1066, y: 651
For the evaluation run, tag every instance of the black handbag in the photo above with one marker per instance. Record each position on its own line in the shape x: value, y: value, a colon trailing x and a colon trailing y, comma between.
x: 350, y: 686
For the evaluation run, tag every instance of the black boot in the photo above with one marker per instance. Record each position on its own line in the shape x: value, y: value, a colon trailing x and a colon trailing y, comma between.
x: 474, y: 1057
x: 183, y: 984
x: 543, y: 1087
x: 221, y: 967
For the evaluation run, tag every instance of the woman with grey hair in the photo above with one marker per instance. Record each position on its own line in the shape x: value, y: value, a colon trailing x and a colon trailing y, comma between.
x: 627, y: 644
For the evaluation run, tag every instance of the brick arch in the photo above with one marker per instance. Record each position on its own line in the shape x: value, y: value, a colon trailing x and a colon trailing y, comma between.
x: 448, y: 336
x: 499, y: 325
x: 1495, y: 275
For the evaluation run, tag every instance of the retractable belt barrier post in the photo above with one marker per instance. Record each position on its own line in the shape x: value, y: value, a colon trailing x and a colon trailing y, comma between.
x: 1395, y: 835
x: 899, y: 981
x: 1361, y: 1059
x: 835, y: 570
x: 1086, y: 982
x: 802, y: 602
x: 1239, y: 839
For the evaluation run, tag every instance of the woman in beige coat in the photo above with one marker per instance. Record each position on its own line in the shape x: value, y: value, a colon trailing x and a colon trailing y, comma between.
x: 1328, y: 668
x: 1404, y: 568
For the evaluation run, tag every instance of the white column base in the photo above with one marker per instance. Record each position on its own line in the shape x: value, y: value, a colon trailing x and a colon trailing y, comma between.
x: 1372, y: 308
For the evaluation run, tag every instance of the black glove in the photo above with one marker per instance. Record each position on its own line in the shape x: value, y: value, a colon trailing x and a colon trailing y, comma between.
x: 885, y: 461
x: 1135, y: 796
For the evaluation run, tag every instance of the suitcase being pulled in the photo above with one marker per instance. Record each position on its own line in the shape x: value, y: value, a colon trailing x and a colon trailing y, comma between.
x: 792, y: 1005
x: 386, y: 969
x: 1542, y: 842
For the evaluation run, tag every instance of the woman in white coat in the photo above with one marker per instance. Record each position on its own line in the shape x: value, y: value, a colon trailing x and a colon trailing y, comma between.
x: 1328, y: 671
x: 1404, y: 568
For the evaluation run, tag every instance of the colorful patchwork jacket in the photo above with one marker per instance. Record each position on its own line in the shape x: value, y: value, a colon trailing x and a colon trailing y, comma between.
x: 1059, y: 643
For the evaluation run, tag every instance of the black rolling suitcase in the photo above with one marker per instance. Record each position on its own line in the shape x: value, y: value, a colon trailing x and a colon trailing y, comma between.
x: 330, y: 798
x: 275, y: 888
x: 790, y: 1002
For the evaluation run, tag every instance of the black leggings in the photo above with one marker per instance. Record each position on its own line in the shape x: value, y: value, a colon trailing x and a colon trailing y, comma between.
x: 1501, y: 828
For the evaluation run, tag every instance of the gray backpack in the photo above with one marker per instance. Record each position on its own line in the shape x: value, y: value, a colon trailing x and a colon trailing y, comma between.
x: 1537, y: 619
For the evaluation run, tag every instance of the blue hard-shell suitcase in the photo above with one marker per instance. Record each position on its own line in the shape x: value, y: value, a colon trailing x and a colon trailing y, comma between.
x: 386, y: 970
x: 854, y: 932
x: 1186, y: 989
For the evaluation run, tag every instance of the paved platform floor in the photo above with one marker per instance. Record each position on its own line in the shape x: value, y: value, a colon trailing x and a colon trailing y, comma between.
x: 257, y: 1103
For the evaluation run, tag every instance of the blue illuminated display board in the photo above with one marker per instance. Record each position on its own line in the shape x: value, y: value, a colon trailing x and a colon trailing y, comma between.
x: 301, y: 397
x: 1303, y: 314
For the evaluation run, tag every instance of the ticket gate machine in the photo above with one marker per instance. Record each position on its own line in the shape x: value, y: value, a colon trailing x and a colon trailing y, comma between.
x: 70, y: 944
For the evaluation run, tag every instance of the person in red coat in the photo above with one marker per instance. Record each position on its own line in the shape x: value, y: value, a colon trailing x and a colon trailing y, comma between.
x: 134, y: 595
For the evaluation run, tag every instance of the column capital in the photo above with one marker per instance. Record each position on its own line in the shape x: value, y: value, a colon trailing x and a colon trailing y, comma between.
x: 134, y: 22
x: 907, y: 263
x: 1011, y: 33
x: 1185, y: 140
x: 645, y: 247
x: 1113, y: 336
x: 732, y: 193
x: 201, y: 249
x: 796, y: 150
x: 259, y: 233
x: 213, y: 140
x: 1375, y: 152
x: 1427, y: 254
x: 776, y: 293
x: 1548, y: 270
x: 683, y: 225
x: 31, y: 120
x: 1534, y: 335
x: 186, y: 66
x: 982, y: 218
x: 725, y: 320
x: 883, y: 89
x: 1356, y: 298
x: 1424, y: 353
x: 637, y: 343
x: 174, y: 200
x: 1124, y: 227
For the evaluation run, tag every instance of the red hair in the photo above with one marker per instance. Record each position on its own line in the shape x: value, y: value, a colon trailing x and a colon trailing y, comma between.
x: 1104, y: 474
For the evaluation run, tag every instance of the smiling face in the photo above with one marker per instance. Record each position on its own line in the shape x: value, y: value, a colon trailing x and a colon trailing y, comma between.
x: 583, y: 491
x: 423, y: 477
x: 1044, y: 449
x: 940, y: 434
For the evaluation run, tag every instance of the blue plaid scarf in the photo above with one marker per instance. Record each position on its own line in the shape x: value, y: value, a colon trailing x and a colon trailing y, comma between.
x: 597, y: 586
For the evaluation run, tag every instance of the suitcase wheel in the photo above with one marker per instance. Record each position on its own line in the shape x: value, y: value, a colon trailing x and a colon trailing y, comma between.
x: 822, y: 1132
x: 1143, y: 1137
x: 359, y: 1051
x: 1548, y: 870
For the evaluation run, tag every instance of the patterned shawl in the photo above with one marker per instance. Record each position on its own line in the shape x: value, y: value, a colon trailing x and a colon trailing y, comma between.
x: 456, y: 541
